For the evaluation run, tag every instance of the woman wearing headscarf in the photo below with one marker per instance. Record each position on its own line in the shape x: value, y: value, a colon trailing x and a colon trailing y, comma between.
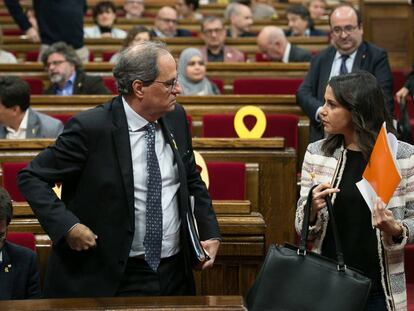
x: 192, y: 74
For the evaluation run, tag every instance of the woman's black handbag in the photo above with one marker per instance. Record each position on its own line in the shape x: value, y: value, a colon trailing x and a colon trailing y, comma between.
x: 295, y: 279
x: 404, y: 125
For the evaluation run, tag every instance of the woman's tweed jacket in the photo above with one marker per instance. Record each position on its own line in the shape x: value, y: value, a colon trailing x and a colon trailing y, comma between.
x: 318, y: 168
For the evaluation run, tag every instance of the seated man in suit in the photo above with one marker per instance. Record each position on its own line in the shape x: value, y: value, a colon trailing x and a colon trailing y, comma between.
x: 17, y: 119
x: 128, y: 171
x: 348, y: 53
x: 241, y: 18
x: 66, y: 75
x: 300, y: 23
x: 19, y: 274
x: 165, y: 24
x: 275, y: 47
x: 214, y: 36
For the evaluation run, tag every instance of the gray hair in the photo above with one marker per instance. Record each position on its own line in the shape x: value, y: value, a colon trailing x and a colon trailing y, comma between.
x: 138, y: 62
x: 209, y: 19
x: 64, y: 49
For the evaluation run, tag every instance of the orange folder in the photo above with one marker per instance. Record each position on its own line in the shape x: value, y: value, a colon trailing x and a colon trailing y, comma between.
x: 382, y: 171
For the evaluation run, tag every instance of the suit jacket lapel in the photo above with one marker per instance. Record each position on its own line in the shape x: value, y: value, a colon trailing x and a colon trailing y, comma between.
x: 359, y: 58
x: 326, y: 70
x: 3, y: 132
x: 33, y: 125
x: 6, y: 272
x: 120, y: 136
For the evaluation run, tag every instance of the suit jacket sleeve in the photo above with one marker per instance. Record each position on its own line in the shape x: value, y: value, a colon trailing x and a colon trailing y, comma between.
x: 382, y: 72
x: 16, y: 11
x: 307, y: 92
x: 57, y: 163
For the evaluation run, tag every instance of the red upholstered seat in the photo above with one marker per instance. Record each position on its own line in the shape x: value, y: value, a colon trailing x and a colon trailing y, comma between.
x: 12, y: 31
x: 410, y: 296
x: 36, y: 85
x: 106, y: 56
x: 399, y: 76
x: 26, y: 239
x: 275, y: 86
x: 219, y: 83
x: 282, y: 125
x: 62, y: 117
x: 227, y: 180
x: 110, y: 84
x: 409, y: 274
x: 10, y: 170
x: 32, y: 56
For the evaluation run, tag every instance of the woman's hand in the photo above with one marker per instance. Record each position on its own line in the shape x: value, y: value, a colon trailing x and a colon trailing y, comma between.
x: 383, y: 219
x: 318, y: 198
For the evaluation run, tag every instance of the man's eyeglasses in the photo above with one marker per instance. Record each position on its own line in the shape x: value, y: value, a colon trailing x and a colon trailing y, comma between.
x: 168, y: 20
x: 169, y: 84
x: 209, y: 32
x: 55, y: 63
x: 348, y: 29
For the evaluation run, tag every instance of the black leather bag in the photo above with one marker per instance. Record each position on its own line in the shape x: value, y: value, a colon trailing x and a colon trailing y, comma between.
x: 404, y: 125
x: 295, y: 279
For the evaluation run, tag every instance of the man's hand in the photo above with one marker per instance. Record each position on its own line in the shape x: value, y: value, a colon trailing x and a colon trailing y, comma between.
x: 402, y: 93
x: 33, y: 35
x: 211, y: 247
x: 81, y: 238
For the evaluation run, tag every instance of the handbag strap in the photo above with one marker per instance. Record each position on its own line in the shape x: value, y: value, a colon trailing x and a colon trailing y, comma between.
x: 305, y: 227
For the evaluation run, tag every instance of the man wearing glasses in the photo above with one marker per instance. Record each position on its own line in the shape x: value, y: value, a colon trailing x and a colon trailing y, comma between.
x: 66, y: 75
x: 165, y: 24
x: 348, y: 53
x: 214, y: 36
x: 127, y: 170
x: 19, y: 274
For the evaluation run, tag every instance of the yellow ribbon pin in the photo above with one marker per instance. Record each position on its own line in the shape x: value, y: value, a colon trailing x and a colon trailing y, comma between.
x: 258, y: 129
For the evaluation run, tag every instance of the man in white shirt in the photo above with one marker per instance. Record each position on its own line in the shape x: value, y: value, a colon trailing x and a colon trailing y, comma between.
x: 17, y: 119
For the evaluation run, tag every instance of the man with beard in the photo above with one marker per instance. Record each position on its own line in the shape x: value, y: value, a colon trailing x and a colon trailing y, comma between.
x: 348, y: 53
x: 66, y: 75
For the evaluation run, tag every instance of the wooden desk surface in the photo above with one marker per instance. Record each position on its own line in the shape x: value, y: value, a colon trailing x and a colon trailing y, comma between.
x: 129, y: 303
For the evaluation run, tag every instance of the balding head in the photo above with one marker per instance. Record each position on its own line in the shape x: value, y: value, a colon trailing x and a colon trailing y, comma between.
x: 166, y: 21
x: 272, y: 42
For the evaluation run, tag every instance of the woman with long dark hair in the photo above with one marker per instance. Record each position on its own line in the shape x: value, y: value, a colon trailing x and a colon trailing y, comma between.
x: 352, y: 116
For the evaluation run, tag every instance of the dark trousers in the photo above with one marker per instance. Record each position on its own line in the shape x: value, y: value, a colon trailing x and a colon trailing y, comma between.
x: 170, y: 279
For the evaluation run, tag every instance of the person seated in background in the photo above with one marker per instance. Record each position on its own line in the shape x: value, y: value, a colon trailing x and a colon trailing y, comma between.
x: 192, y: 74
x: 317, y: 9
x: 66, y: 75
x: 17, y: 119
x: 104, y: 17
x: 165, y: 24
x: 241, y: 19
x: 6, y: 57
x: 300, y: 23
x: 136, y: 34
x: 134, y: 9
x: 19, y: 273
x: 407, y: 89
x: 214, y: 36
x: 273, y: 44
x: 263, y: 11
x: 187, y: 9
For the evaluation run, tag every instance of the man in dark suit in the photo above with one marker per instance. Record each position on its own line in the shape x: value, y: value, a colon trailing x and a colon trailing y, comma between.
x: 19, y: 274
x: 165, y: 24
x: 107, y: 229
x: 274, y: 46
x: 65, y: 73
x: 349, y: 53
x: 17, y: 119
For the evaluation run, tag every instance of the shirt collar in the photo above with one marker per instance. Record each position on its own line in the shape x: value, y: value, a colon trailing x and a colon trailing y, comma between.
x: 351, y: 56
x: 285, y: 58
x: 23, y: 124
x: 134, y: 120
x: 69, y: 83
